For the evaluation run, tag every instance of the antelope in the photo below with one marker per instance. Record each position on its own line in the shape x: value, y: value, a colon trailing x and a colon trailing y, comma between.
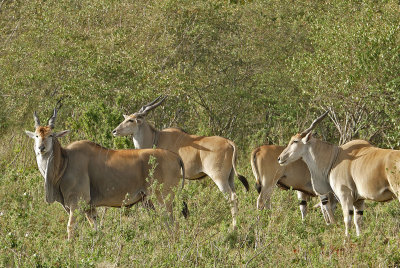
x: 203, y: 156
x: 296, y: 175
x: 86, y: 171
x: 355, y: 171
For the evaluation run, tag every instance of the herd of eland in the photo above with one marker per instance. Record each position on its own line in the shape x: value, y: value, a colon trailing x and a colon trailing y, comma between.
x: 98, y: 176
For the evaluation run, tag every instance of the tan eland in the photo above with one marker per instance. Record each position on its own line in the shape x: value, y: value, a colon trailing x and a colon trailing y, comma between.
x: 296, y: 175
x: 355, y: 171
x: 86, y: 171
x: 212, y: 156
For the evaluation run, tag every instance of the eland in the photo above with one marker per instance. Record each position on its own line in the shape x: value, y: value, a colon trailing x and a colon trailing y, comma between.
x: 203, y: 156
x: 296, y: 176
x: 355, y: 171
x: 98, y: 176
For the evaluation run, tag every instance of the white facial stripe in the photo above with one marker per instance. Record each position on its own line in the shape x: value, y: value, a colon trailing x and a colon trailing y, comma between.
x: 43, y: 144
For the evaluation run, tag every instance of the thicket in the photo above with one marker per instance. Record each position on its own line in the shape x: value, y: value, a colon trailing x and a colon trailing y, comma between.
x: 252, y: 71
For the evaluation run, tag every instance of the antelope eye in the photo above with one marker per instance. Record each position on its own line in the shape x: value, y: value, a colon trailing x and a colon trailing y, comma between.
x: 130, y: 120
x: 295, y: 141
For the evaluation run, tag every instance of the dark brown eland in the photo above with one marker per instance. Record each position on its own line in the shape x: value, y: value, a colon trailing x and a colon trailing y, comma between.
x: 203, y: 156
x: 355, y: 171
x: 98, y: 176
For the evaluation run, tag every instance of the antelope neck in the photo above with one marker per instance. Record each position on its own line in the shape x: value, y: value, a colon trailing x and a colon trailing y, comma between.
x: 320, y: 158
x: 59, y: 157
x: 42, y: 160
x: 145, y: 137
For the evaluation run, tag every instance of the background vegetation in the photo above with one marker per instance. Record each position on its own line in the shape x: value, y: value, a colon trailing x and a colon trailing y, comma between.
x: 252, y: 71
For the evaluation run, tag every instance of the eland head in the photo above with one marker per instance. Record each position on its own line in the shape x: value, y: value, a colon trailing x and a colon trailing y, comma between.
x: 44, y: 135
x: 132, y: 122
x: 298, y: 144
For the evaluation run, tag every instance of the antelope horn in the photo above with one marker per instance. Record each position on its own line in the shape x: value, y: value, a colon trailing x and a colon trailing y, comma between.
x: 36, y: 118
x: 150, y: 106
x: 52, y: 119
x: 314, y: 123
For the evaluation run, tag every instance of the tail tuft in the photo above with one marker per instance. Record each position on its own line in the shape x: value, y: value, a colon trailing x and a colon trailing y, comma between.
x: 185, y: 210
x: 244, y: 181
x: 258, y: 187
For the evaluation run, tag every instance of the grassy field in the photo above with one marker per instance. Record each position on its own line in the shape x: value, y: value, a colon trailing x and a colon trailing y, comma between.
x: 33, y: 233
x: 252, y: 71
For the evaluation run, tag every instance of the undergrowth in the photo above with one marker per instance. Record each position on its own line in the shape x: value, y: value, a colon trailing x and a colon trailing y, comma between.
x: 33, y: 233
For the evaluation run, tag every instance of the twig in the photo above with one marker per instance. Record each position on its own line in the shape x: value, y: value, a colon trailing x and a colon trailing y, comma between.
x: 11, y: 34
x: 119, y: 255
x: 18, y: 154
x: 258, y: 253
x: 1, y: 3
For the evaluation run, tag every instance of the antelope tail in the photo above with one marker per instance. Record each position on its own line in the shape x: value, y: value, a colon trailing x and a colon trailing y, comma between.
x: 240, y: 177
x: 255, y: 170
x: 183, y: 171
x: 185, y: 209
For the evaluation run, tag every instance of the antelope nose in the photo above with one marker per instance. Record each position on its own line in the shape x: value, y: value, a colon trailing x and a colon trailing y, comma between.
x: 41, y: 148
x: 279, y: 159
x: 114, y: 132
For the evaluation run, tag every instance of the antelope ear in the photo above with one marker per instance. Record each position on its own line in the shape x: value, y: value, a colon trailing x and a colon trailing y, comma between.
x: 139, y: 120
x: 61, y: 133
x: 30, y: 134
x: 307, y: 138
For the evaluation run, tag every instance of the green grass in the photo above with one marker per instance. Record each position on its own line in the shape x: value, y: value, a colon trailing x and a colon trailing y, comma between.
x: 33, y: 233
